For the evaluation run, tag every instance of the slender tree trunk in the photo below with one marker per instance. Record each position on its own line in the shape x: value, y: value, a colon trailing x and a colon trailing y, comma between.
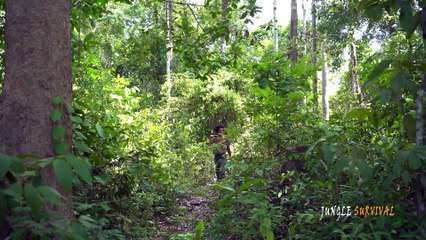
x: 293, y: 32
x: 304, y: 35
x: 325, y: 109
x: 169, y: 44
x: 37, y: 69
x: 314, y: 54
x: 275, y: 27
x: 225, y: 24
x: 354, y: 77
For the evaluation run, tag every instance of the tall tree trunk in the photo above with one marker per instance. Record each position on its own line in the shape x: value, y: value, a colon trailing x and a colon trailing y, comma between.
x: 304, y: 35
x: 38, y: 68
x: 275, y: 27
x: 354, y: 77
x: 225, y: 24
x: 314, y: 54
x: 293, y: 32
x: 169, y: 44
x: 325, y: 109
x: 419, y: 195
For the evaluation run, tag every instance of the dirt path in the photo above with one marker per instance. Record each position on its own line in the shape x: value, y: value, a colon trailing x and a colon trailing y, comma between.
x: 180, y: 225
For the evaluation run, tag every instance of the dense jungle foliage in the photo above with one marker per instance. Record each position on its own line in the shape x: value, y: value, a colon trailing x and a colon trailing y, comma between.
x: 140, y: 141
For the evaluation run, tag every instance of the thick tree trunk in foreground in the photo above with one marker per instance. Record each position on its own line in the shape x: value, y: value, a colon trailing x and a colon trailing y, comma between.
x: 37, y: 68
x: 420, y: 193
x: 293, y: 32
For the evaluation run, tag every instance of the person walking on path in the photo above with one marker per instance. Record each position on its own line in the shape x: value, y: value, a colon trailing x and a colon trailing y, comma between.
x: 221, y: 146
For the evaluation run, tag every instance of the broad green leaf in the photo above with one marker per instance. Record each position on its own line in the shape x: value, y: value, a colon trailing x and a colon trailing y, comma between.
x: 82, y: 147
x: 102, y: 179
x: 377, y: 71
x: 76, y: 119
x: 341, y: 163
x: 100, y: 131
x: 365, y: 169
x: 399, y: 162
x: 266, y: 230
x: 63, y: 173
x: 50, y: 194
x: 199, y: 230
x: 81, y: 167
x: 58, y: 132
x: 105, y: 207
x: 17, y: 165
x: 409, y: 22
x: 57, y: 100
x: 406, y: 177
x: 414, y: 160
x: 78, y: 230
x: 33, y: 198
x: 5, y: 162
x: 327, y: 154
x: 56, y: 115
x: 61, y: 148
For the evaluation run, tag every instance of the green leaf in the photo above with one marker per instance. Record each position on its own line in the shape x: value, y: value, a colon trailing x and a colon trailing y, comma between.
x: 61, y: 148
x: 341, y: 163
x: 5, y: 162
x: 78, y: 230
x: 58, y: 132
x: 57, y: 100
x: 105, y: 207
x: 82, y: 147
x: 377, y: 71
x: 266, y: 230
x: 81, y: 167
x: 100, y: 131
x: 56, y: 115
x: 399, y: 162
x: 76, y: 119
x: 414, y: 160
x: 33, y: 198
x: 227, y: 188
x: 17, y: 165
x: 63, y: 173
x: 365, y: 169
x: 409, y: 22
x: 406, y: 177
x: 102, y: 179
x: 199, y: 230
x: 50, y: 194
x: 327, y: 154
